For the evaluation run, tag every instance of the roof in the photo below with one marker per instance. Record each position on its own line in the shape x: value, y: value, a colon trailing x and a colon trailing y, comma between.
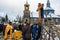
x: 48, y: 8
x: 52, y: 16
x: 48, y: 16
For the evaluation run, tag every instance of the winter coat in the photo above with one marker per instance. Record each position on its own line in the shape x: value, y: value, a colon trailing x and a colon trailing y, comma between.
x: 26, y: 31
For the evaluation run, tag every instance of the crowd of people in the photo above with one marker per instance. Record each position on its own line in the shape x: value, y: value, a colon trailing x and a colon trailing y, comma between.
x: 28, y: 31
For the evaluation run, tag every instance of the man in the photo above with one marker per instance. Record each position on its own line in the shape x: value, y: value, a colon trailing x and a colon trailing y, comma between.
x: 39, y: 28
x: 20, y: 27
x: 34, y: 31
x: 8, y: 31
x: 26, y: 31
x: 1, y: 27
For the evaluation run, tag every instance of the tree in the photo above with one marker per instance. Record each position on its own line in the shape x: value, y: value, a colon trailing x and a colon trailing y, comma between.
x: 17, y: 18
x: 6, y: 18
x: 3, y: 19
x: 20, y: 20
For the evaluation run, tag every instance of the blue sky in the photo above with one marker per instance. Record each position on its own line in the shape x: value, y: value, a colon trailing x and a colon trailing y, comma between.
x: 16, y: 7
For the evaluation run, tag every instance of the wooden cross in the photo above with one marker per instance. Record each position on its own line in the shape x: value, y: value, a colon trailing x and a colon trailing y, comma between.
x: 40, y: 6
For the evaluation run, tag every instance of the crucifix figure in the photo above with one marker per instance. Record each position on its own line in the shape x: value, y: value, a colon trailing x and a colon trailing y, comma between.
x: 39, y: 9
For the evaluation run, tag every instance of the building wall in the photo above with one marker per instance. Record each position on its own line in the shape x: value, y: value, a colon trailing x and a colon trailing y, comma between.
x: 55, y: 21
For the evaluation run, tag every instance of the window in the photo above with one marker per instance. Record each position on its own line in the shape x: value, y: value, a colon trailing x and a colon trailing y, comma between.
x: 56, y: 20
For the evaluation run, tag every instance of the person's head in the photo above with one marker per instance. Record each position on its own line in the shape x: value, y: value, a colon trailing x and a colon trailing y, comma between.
x: 39, y: 4
x: 42, y: 4
x: 10, y: 23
